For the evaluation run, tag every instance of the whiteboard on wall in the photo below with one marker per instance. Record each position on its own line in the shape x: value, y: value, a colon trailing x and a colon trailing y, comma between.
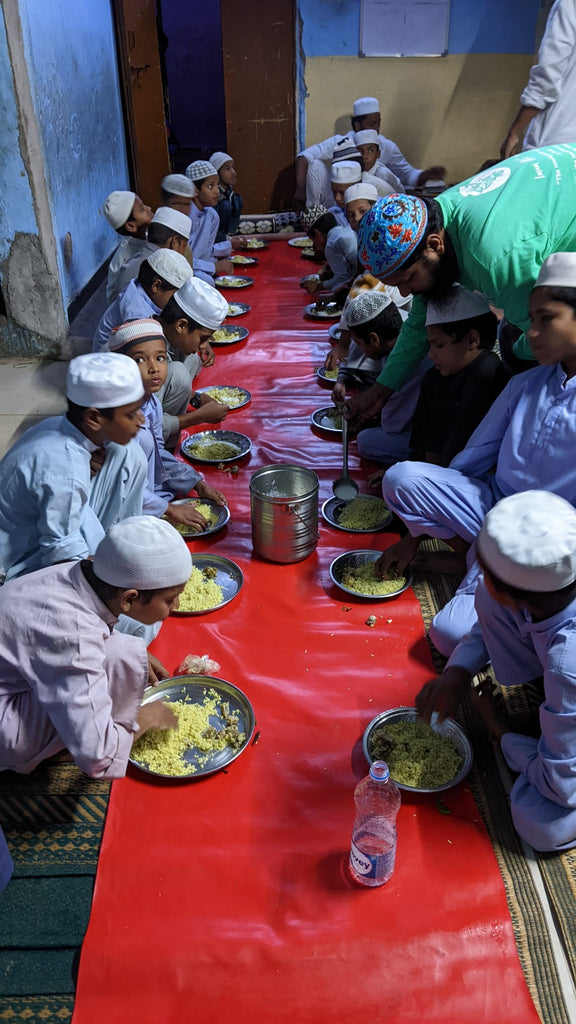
x: 404, y: 28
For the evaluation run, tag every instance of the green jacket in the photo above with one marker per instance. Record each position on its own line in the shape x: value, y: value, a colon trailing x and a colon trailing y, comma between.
x: 503, y: 223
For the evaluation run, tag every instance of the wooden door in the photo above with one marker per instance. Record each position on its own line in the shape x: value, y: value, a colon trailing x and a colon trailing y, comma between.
x: 143, y: 94
x: 258, y: 41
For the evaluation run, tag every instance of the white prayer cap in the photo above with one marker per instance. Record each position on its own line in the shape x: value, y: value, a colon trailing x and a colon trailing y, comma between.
x: 171, y: 266
x: 173, y: 219
x: 361, y: 190
x: 118, y: 208
x: 103, y: 380
x: 134, y: 332
x: 528, y: 540
x: 218, y: 159
x: 202, y: 303
x: 345, y: 172
x: 365, y: 307
x: 143, y: 552
x: 178, y: 185
x: 368, y: 137
x: 558, y: 270
x: 366, y: 105
x: 458, y: 304
x: 199, y: 170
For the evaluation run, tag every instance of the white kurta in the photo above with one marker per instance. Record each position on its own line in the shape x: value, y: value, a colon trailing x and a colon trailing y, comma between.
x: 66, y: 679
x: 552, y: 82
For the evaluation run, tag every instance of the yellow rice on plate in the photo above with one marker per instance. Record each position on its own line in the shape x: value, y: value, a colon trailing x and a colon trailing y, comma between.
x: 162, y: 750
x: 209, y: 514
x: 201, y: 592
x: 215, y: 450
x: 363, y: 513
x: 416, y: 755
x: 227, y: 396
x: 364, y: 580
x: 226, y: 335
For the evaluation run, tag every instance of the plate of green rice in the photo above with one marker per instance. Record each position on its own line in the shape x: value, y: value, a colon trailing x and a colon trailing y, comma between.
x: 355, y: 573
x: 422, y: 758
x: 213, y: 583
x: 215, y: 446
x: 365, y: 514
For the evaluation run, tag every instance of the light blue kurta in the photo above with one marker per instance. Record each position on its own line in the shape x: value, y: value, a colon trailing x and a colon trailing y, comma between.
x: 167, y: 476
x: 543, y: 798
x: 527, y: 440
x: 340, y: 213
x: 205, y: 224
x: 51, y: 509
x: 128, y: 247
x: 130, y: 269
x: 340, y: 253
x: 132, y: 304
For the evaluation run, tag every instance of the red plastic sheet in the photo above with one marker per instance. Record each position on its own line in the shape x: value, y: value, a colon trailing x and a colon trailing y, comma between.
x: 227, y: 899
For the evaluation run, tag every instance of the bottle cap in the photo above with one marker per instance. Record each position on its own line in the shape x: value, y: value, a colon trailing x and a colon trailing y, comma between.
x: 379, y: 771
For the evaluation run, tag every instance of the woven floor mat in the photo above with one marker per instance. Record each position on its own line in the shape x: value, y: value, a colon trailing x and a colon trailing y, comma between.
x: 53, y: 821
x: 558, y: 870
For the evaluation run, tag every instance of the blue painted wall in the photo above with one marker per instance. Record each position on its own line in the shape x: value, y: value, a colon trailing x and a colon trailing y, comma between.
x: 16, y: 207
x: 71, y: 59
x: 331, y: 28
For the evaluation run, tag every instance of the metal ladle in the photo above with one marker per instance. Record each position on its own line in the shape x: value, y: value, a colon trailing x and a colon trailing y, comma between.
x: 345, y: 488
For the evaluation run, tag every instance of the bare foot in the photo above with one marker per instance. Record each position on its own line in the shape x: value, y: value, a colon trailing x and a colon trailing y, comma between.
x: 439, y: 562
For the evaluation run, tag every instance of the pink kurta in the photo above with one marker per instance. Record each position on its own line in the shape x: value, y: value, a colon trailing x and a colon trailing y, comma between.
x: 66, y: 679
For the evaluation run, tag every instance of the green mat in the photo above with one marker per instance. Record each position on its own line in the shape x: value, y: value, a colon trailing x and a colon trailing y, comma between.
x: 53, y: 821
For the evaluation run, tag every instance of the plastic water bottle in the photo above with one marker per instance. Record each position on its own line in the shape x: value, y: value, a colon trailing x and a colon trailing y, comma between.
x: 373, y: 850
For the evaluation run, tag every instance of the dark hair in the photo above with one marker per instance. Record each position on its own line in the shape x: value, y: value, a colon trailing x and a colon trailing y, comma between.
x: 105, y: 591
x: 386, y: 325
x: 159, y: 234
x: 75, y: 413
x: 173, y: 312
x: 434, y: 225
x: 563, y: 294
x: 324, y: 224
x: 486, y: 324
x: 543, y: 603
x: 147, y: 275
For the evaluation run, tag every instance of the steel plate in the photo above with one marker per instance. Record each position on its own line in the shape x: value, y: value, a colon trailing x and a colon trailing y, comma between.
x: 352, y: 560
x: 238, y: 309
x: 229, y: 576
x: 243, y: 443
x: 321, y: 373
x: 246, y: 395
x: 333, y: 508
x: 447, y: 728
x: 233, y: 281
x: 331, y: 311
x: 192, y: 690
x: 233, y: 334
x: 222, y: 511
x: 239, y: 260
x: 324, y: 419
x: 300, y: 243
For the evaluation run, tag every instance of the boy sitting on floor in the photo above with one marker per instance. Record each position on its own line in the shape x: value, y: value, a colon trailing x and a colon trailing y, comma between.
x: 208, y: 254
x: 525, y: 441
x: 337, y: 244
x: 368, y: 143
x: 526, y: 608
x: 68, y: 679
x: 168, y: 477
x: 229, y: 205
x: 66, y: 480
x: 168, y: 229
x: 177, y: 192
x: 130, y: 217
x: 188, y: 321
x: 160, y: 275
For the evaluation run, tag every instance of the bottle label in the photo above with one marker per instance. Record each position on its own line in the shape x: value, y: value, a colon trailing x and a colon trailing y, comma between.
x: 372, y: 865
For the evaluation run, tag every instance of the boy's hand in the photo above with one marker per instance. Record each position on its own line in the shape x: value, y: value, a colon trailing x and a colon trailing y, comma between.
x: 156, y: 670
x: 206, y: 353
x: 157, y: 715
x: 224, y: 267
x: 213, y: 412
x: 205, y: 491
x: 188, y: 515
x: 311, y: 286
x: 97, y: 460
x: 338, y: 392
x: 333, y: 359
x: 443, y: 694
x: 398, y: 556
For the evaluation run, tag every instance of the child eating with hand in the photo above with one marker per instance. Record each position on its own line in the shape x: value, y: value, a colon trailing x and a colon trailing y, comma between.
x: 337, y: 244
x: 209, y: 256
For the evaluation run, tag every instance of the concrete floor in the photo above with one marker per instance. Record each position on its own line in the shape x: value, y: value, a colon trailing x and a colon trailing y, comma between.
x: 30, y: 390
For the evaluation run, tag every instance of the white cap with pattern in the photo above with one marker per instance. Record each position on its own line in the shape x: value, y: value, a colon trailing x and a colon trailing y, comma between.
x: 118, y: 208
x: 178, y: 185
x: 558, y: 270
x: 199, y: 170
x: 171, y: 266
x: 173, y: 219
x: 528, y: 540
x: 311, y: 214
x: 365, y: 307
x: 458, y: 304
x: 219, y: 159
x: 134, y: 332
x: 143, y: 552
x: 366, y: 105
x: 202, y: 303
x: 345, y: 172
x: 103, y: 380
